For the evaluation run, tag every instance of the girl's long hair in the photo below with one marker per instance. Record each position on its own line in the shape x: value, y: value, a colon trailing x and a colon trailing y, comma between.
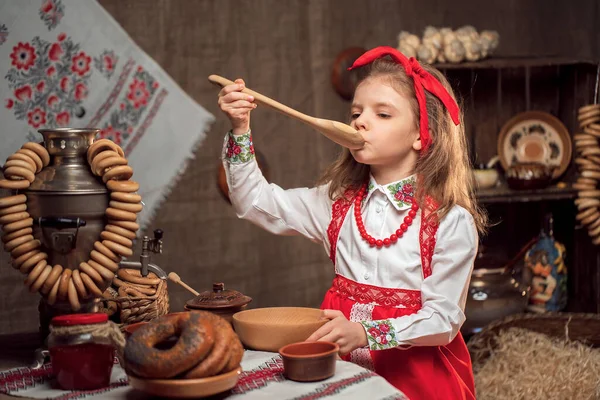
x: 443, y: 171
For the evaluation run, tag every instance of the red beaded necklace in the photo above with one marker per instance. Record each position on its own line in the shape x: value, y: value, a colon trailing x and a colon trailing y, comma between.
x: 393, y: 237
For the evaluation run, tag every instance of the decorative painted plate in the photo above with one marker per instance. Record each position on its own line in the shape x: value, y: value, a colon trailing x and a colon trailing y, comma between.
x: 538, y: 137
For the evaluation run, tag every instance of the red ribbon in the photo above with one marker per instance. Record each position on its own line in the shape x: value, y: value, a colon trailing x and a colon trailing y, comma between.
x: 422, y: 79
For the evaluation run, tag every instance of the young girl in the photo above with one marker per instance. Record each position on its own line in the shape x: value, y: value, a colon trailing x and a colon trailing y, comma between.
x: 397, y: 218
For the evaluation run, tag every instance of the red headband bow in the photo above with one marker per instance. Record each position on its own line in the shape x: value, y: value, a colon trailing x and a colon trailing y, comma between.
x: 422, y: 80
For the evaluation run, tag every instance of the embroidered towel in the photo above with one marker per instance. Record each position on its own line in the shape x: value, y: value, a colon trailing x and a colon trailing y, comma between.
x: 68, y: 63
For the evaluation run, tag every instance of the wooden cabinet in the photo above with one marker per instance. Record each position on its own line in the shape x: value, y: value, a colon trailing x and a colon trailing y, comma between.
x: 493, y: 91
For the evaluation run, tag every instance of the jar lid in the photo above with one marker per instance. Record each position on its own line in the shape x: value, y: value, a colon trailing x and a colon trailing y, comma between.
x: 79, y: 319
x: 218, y: 298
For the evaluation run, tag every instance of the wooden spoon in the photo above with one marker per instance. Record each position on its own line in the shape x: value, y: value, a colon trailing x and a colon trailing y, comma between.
x: 175, y: 278
x: 338, y: 132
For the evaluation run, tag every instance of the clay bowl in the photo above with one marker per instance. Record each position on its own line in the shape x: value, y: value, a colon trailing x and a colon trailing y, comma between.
x: 486, y: 178
x: 186, y: 388
x: 309, y: 361
x: 529, y: 176
x: 269, y: 329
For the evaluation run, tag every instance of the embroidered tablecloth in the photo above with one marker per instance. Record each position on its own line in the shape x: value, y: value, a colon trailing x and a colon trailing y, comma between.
x: 262, y: 378
x: 68, y: 63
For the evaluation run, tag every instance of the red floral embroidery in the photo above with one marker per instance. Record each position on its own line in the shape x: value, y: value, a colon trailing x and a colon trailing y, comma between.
x: 233, y: 151
x: 23, y: 56
x: 51, y: 12
x: 80, y: 91
x: 339, y: 209
x: 48, y: 78
x: 131, y: 106
x: 138, y: 93
x: 106, y: 63
x: 112, y: 134
x: 81, y: 64
x: 8, y: 103
x: 429, y: 226
x: 23, y: 93
x: 65, y: 84
x: 404, y: 197
x: 47, y: 6
x: 52, y: 100
x: 367, y: 294
x: 109, y: 62
x: 62, y: 119
x: 55, y: 52
x: 36, y: 118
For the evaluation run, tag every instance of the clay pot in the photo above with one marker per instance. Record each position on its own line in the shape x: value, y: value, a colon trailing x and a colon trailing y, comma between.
x: 220, y: 301
x: 528, y: 176
x: 344, y: 82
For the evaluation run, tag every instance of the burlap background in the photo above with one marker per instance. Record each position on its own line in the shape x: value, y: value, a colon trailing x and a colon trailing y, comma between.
x: 285, y: 48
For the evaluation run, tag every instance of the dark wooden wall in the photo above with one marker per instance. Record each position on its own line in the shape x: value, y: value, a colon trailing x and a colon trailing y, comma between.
x: 285, y: 49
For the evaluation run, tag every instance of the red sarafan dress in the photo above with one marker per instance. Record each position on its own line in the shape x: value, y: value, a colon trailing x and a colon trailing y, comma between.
x: 420, y: 372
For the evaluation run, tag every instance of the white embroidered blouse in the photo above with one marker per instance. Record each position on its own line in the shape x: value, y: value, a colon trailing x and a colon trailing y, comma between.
x: 307, y: 211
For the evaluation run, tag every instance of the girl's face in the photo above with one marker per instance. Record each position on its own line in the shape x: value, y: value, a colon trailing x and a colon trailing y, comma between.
x: 386, y: 121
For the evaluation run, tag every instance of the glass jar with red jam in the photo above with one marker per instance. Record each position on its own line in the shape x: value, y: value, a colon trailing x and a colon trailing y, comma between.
x: 82, y: 356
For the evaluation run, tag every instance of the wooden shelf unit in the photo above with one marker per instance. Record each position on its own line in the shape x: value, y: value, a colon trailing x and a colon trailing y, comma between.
x: 494, y: 90
x: 514, y: 62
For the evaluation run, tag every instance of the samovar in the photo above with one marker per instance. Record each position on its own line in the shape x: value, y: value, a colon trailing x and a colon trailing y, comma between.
x: 67, y: 203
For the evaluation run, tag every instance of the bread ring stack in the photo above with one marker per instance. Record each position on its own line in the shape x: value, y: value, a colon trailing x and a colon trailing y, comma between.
x: 129, y: 283
x: 206, y: 346
x: 588, y: 163
x: 91, y: 278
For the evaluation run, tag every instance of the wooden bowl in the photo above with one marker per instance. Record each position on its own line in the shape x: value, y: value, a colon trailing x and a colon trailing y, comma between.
x: 186, y: 388
x: 309, y: 361
x: 269, y: 329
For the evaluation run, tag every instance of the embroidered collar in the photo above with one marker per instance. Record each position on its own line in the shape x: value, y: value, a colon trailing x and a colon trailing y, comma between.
x: 400, y: 193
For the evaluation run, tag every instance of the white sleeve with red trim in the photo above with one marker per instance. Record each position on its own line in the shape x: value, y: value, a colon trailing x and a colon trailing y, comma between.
x: 304, y: 211
x: 443, y: 293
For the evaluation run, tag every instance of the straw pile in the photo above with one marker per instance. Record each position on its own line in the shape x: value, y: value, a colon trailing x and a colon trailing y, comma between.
x: 527, y: 365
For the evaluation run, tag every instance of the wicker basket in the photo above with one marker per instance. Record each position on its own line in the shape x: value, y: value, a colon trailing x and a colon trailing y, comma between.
x: 130, y: 310
x: 580, y: 327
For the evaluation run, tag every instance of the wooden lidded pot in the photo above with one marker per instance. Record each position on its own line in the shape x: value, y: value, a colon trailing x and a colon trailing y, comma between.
x: 220, y: 301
